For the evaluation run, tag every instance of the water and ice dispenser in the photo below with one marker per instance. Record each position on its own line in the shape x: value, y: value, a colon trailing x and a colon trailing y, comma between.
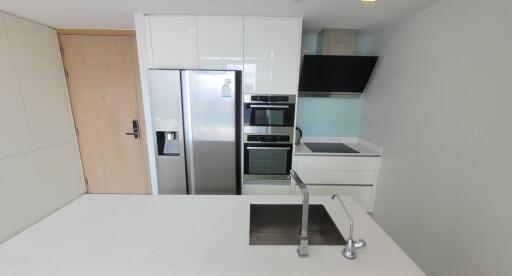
x: 167, y: 138
x: 168, y: 143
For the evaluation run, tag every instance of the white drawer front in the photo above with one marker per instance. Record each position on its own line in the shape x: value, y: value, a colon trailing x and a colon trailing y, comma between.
x: 337, y: 177
x: 335, y: 163
x: 259, y: 189
x: 362, y: 195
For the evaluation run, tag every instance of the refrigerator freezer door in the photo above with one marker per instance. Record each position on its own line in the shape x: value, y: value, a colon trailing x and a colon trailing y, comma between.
x: 210, y: 110
x: 167, y: 117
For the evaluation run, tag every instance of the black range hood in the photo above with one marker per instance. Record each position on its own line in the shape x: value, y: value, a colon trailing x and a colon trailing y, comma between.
x: 335, y: 74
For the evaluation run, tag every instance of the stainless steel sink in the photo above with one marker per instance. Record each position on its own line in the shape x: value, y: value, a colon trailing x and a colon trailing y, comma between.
x: 273, y: 224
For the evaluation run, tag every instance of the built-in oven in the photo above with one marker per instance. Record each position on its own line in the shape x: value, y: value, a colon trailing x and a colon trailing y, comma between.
x: 267, y: 157
x: 268, y: 113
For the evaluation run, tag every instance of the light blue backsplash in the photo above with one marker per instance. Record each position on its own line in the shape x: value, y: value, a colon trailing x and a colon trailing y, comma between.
x: 335, y: 116
x: 309, y: 44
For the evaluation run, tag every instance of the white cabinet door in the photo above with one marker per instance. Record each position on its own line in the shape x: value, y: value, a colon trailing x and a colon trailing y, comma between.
x: 362, y: 195
x: 336, y: 163
x: 266, y: 189
x: 220, y: 42
x: 172, y: 42
x: 271, y: 55
x: 336, y: 169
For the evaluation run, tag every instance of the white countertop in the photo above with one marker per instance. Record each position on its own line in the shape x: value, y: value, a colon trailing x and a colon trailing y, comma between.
x: 186, y: 235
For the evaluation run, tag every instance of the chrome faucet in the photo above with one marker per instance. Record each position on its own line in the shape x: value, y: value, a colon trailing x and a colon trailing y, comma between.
x: 303, y: 247
x: 352, y: 245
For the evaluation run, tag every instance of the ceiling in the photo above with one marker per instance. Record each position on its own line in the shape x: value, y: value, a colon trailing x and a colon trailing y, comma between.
x: 118, y: 14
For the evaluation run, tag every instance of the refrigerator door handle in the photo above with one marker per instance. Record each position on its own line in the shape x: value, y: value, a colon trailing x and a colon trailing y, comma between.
x: 187, y: 122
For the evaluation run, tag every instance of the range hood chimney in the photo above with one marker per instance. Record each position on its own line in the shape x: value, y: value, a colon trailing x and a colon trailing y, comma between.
x: 337, y: 70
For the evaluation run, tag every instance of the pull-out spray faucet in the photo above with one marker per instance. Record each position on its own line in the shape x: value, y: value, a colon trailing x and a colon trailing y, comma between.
x: 303, y: 246
x: 349, y: 251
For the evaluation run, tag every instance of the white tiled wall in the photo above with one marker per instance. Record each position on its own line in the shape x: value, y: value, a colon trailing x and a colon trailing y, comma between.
x: 40, y: 166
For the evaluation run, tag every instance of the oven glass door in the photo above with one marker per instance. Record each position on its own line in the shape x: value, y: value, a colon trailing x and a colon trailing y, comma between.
x: 268, y: 159
x: 276, y: 115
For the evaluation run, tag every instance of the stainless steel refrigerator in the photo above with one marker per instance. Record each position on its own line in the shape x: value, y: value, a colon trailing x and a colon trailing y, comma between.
x: 196, y: 126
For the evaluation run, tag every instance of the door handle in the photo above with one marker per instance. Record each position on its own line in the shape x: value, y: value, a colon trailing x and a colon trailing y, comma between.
x: 136, y: 130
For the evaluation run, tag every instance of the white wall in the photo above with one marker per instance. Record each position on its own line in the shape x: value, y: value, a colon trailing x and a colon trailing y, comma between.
x: 440, y: 103
x: 40, y: 168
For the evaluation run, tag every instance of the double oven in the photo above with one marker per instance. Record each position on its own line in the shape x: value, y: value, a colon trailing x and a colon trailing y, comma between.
x: 268, y: 137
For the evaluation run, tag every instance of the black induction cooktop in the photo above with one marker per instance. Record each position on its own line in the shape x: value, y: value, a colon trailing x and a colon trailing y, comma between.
x: 330, y: 148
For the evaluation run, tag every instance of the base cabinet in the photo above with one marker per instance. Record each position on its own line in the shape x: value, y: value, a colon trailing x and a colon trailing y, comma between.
x: 354, y: 176
x: 265, y: 189
x: 363, y: 195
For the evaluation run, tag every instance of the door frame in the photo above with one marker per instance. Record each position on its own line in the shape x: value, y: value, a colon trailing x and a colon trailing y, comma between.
x: 140, y: 103
x: 95, y: 32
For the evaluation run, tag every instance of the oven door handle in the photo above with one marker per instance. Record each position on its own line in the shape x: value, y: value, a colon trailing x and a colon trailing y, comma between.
x: 268, y: 148
x: 269, y: 106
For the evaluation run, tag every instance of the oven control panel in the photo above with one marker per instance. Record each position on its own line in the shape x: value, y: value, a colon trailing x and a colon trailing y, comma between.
x: 269, y: 99
x: 254, y: 138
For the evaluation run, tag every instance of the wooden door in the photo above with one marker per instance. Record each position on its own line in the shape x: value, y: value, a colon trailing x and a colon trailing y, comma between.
x: 104, y: 88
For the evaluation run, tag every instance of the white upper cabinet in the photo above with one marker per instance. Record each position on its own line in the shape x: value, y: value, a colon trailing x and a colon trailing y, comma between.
x: 172, y: 42
x: 267, y: 49
x: 220, y: 42
x: 271, y: 55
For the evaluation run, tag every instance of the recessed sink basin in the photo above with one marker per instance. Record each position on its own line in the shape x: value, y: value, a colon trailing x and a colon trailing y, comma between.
x: 273, y: 224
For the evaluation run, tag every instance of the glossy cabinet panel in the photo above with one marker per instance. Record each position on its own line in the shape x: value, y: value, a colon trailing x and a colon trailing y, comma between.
x: 336, y: 163
x: 271, y: 55
x: 362, y: 195
x: 172, y: 41
x: 266, y: 189
x: 220, y: 42
x: 354, y: 176
x: 267, y: 49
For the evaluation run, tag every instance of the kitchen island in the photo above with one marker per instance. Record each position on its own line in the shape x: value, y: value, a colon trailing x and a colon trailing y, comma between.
x: 187, y: 235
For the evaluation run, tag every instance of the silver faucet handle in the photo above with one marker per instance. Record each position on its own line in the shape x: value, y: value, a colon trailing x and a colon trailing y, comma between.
x: 350, y: 249
x: 359, y: 244
x: 303, y: 247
